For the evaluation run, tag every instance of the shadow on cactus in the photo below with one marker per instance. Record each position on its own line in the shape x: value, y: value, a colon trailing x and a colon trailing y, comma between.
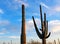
x: 44, y: 28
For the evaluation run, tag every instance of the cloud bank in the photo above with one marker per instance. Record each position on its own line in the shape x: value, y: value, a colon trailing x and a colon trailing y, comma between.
x: 54, y: 25
x: 30, y: 24
x: 10, y: 37
x: 4, y: 22
x: 44, y: 5
x: 51, y: 10
x: 15, y: 4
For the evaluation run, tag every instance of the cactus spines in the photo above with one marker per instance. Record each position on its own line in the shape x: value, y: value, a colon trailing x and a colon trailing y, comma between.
x: 23, y: 33
x: 44, y: 27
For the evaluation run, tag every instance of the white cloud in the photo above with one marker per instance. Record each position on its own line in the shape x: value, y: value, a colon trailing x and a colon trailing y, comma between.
x: 51, y: 10
x: 54, y: 25
x: 36, y: 14
x: 14, y: 37
x: 30, y: 25
x: 10, y: 37
x: 4, y: 22
x: 57, y: 8
x: 44, y: 5
x: 3, y: 31
x: 1, y: 11
x: 16, y: 4
x: 26, y: 4
x: 57, y: 2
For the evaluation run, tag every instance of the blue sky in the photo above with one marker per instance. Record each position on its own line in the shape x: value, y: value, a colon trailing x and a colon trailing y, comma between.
x: 10, y: 18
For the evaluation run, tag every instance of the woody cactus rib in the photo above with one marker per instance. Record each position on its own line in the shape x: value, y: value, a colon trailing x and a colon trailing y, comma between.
x: 44, y: 28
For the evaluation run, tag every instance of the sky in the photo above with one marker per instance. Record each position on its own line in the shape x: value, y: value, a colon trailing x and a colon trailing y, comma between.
x: 10, y: 19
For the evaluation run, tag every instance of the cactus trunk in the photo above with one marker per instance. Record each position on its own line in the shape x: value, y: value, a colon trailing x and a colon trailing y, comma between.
x: 11, y: 41
x: 23, y: 33
x: 54, y: 41
x: 58, y: 41
x: 43, y: 41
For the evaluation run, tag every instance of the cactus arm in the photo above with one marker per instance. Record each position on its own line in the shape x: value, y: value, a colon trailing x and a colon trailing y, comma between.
x: 41, y: 18
x: 45, y: 24
x: 37, y: 31
x: 45, y: 17
x: 48, y: 35
x: 46, y: 27
x: 45, y: 20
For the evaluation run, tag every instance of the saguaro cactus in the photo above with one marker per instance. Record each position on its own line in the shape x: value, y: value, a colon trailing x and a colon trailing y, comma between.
x: 11, y: 41
x: 58, y: 41
x: 44, y: 28
x: 23, y: 33
x: 54, y: 41
x: 4, y: 43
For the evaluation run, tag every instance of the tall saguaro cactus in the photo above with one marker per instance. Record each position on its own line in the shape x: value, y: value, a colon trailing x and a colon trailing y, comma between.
x: 58, y: 41
x: 44, y: 28
x: 23, y: 33
x: 11, y: 41
x: 54, y: 41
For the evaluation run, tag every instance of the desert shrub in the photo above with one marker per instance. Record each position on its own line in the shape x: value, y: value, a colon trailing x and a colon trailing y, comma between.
x: 34, y: 42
